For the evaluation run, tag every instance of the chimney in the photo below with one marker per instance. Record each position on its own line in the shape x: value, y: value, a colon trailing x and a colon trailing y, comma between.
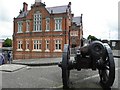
x: 81, y: 19
x: 69, y: 3
x: 25, y: 6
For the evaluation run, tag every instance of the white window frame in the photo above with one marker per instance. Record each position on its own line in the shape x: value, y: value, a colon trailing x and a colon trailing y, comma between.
x: 58, y: 24
x: 37, y: 22
x: 37, y: 45
x: 47, y: 45
x: 74, y: 33
x: 58, y: 46
x: 47, y: 24
x: 28, y: 26
x: 20, y: 25
x: 27, y: 45
x: 19, y: 45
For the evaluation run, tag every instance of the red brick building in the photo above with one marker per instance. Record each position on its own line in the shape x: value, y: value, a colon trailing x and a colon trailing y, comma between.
x: 42, y: 31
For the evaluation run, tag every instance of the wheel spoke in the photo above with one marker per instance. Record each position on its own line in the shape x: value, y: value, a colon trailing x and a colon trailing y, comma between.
x: 105, y: 76
x: 107, y: 67
x: 107, y: 72
x: 106, y: 60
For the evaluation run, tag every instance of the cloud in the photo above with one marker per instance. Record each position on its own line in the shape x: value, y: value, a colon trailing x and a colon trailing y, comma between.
x: 6, y: 29
x: 4, y: 15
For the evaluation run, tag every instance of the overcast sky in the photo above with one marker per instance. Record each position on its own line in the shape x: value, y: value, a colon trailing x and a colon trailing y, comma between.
x: 100, y: 17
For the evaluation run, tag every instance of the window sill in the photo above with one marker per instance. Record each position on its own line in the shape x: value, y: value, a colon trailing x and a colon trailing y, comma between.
x: 47, y: 50
x: 37, y: 50
x: 27, y: 50
x: 37, y: 31
x: 47, y: 30
x: 19, y: 32
x: 27, y: 31
x: 19, y: 49
x: 57, y: 50
x: 58, y: 30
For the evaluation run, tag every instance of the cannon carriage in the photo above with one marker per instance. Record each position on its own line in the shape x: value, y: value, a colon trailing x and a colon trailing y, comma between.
x: 96, y: 56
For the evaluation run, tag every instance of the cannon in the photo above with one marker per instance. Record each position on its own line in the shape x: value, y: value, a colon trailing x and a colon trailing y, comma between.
x: 96, y: 56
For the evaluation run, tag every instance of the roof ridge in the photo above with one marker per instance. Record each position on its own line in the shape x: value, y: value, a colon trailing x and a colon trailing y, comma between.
x: 56, y: 6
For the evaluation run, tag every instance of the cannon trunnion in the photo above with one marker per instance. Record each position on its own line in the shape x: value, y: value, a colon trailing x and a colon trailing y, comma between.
x: 96, y: 55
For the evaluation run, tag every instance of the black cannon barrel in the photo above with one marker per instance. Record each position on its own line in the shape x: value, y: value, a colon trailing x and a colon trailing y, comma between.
x: 96, y: 49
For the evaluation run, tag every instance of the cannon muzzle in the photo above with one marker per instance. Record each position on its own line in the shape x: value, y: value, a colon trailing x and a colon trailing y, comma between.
x: 96, y: 49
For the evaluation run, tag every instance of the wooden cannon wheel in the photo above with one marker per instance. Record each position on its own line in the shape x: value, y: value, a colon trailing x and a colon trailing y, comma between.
x: 64, y: 66
x: 107, y: 73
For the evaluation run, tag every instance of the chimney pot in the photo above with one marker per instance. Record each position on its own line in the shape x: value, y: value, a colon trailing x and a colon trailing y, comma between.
x: 69, y: 3
x: 25, y: 6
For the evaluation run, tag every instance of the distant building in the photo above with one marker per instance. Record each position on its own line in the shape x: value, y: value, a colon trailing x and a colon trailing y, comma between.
x: 42, y: 31
x: 76, y: 31
x: 115, y: 44
x: 1, y: 43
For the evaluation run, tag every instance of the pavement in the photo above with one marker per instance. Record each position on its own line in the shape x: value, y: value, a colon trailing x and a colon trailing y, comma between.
x: 38, y: 62
x: 19, y: 64
x: 11, y: 67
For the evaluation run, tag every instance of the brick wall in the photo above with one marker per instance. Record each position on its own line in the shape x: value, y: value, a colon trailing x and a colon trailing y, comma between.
x: 50, y: 35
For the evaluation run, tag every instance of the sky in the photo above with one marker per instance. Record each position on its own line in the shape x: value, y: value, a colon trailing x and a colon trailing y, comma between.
x: 100, y: 17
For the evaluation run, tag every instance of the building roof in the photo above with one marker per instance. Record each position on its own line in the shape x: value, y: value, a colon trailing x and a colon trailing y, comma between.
x: 77, y: 20
x: 23, y: 14
x: 54, y: 10
x: 57, y: 9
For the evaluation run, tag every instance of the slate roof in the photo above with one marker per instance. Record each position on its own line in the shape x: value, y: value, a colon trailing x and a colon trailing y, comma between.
x: 23, y: 14
x: 77, y: 20
x: 57, y: 9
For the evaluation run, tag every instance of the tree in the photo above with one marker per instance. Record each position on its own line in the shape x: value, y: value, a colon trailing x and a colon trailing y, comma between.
x: 7, y: 43
x: 92, y: 38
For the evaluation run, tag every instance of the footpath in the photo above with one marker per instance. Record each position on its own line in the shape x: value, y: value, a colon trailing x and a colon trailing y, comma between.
x: 19, y: 64
x: 38, y: 62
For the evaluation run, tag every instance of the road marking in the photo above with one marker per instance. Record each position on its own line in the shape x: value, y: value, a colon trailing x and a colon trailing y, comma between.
x: 90, y: 77
x: 87, y: 78
x: 61, y: 86
x: 94, y: 76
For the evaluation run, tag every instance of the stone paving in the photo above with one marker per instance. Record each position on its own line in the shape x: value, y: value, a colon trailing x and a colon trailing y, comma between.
x: 11, y: 67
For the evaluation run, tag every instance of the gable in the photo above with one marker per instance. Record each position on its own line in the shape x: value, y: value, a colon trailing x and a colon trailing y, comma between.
x: 77, y: 20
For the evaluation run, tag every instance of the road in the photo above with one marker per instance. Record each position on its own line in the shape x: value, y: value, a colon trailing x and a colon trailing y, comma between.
x: 50, y: 77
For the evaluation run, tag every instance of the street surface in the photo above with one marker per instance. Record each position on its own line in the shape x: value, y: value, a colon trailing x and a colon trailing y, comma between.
x: 50, y: 77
